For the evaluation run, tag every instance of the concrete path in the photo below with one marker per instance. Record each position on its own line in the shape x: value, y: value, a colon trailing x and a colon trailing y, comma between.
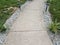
x: 29, y: 28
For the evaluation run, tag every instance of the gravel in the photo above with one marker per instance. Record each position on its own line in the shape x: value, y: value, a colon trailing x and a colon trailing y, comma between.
x: 2, y: 38
x: 47, y: 15
x: 10, y: 21
x: 48, y: 20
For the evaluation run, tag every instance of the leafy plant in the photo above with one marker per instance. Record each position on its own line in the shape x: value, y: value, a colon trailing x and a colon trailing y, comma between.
x: 2, y: 29
x: 55, y: 29
x: 54, y: 26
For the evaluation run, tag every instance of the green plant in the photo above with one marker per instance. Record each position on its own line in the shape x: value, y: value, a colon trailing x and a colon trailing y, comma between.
x: 54, y: 9
x: 54, y: 26
x: 2, y: 29
x: 55, y: 29
x: 22, y: 1
x: 6, y: 12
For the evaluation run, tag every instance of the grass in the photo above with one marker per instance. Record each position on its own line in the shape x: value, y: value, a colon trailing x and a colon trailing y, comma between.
x: 5, y: 13
x: 55, y: 9
x: 54, y: 27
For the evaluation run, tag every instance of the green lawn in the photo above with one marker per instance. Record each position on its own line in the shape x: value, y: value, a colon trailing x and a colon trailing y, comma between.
x: 55, y: 9
x: 5, y: 13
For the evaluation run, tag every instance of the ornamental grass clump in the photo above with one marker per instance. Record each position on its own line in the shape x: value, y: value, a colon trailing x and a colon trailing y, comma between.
x: 55, y: 27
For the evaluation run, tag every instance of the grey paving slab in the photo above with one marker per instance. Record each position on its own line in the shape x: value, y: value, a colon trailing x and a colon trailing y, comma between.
x: 30, y: 19
x: 28, y: 38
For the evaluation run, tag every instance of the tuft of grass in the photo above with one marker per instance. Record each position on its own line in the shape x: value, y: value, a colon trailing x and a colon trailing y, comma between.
x: 54, y: 27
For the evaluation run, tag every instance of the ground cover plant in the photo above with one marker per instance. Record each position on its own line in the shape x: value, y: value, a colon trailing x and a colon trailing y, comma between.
x: 55, y: 9
x: 6, y: 10
x: 54, y: 27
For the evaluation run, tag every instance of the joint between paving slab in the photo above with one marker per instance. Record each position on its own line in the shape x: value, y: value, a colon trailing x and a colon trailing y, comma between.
x: 29, y: 31
x: 33, y: 9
